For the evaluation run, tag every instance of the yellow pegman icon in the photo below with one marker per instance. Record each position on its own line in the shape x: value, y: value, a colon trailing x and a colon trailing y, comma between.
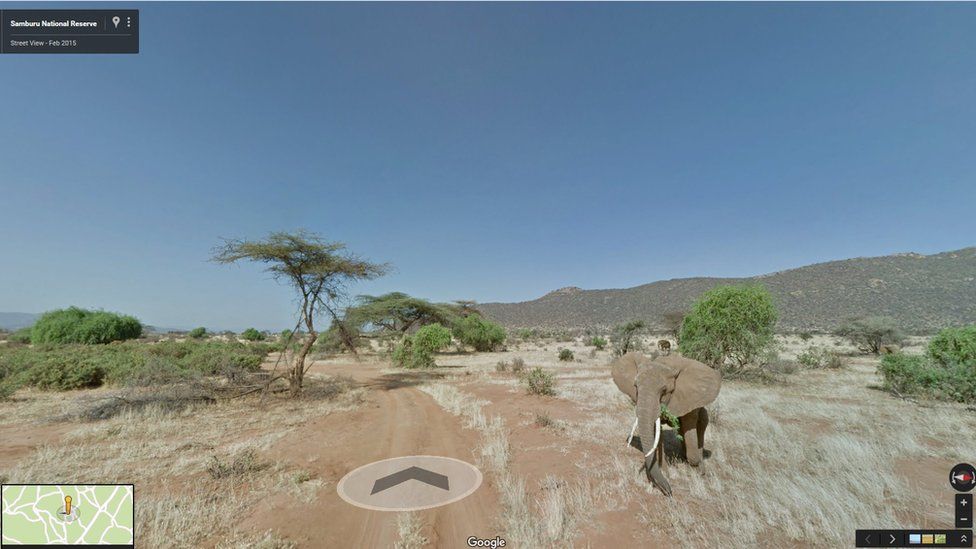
x: 67, y: 505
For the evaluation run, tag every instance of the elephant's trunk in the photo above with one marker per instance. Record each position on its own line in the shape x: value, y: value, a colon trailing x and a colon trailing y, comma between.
x: 648, y: 414
x: 657, y: 435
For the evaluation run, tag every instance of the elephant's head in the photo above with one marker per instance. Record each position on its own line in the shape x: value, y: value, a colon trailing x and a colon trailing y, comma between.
x: 680, y: 383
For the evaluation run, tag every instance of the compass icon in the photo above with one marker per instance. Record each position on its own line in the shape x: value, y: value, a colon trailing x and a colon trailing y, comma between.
x: 962, y: 477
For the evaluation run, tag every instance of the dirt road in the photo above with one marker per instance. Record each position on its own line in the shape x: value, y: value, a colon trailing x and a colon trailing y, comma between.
x: 396, y: 420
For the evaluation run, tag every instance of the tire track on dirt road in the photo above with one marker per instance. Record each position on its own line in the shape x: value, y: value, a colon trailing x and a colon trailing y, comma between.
x: 396, y: 419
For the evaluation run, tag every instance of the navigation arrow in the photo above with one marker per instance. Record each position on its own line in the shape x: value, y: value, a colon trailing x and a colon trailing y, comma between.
x: 411, y: 473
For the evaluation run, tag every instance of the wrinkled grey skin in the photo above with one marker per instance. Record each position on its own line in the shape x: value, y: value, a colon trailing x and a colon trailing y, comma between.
x: 685, y: 386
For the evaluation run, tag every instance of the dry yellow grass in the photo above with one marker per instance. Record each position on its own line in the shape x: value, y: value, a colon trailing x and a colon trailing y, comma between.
x: 409, y: 528
x: 806, y: 461
x: 551, y: 519
x: 788, y: 463
x: 180, y: 505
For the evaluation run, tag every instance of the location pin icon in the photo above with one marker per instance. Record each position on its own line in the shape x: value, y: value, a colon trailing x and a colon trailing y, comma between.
x: 115, y: 21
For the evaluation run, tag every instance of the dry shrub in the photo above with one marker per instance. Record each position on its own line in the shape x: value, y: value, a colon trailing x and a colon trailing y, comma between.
x: 518, y: 365
x: 244, y: 464
x: 540, y: 382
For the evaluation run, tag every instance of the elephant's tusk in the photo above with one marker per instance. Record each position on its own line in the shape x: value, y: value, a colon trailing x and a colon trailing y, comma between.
x: 657, y: 436
x: 632, y: 431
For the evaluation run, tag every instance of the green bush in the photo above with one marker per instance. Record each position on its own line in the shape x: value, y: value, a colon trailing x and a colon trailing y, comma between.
x: 921, y: 375
x: 7, y: 388
x: 911, y: 374
x: 540, y: 382
x: 954, y: 346
x: 818, y: 357
x: 729, y: 323
x: 61, y: 368
x: 565, y: 355
x: 252, y: 334
x: 479, y: 332
x: 22, y: 335
x: 417, y: 351
x: 870, y: 334
x: 198, y: 333
x: 598, y: 342
x: 806, y: 336
x: 74, y: 325
x: 76, y: 366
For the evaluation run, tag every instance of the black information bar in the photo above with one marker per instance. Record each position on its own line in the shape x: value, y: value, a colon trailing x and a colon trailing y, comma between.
x: 69, y: 31
x: 913, y: 538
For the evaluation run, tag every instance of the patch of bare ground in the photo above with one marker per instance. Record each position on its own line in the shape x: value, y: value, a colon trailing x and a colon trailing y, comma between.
x: 396, y: 420
x: 533, y: 514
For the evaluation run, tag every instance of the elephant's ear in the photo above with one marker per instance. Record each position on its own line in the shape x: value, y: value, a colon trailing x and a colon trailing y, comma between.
x: 696, y: 385
x: 624, y: 372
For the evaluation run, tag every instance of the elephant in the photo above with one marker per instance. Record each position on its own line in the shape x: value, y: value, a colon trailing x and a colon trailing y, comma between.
x: 685, y: 386
x: 664, y: 346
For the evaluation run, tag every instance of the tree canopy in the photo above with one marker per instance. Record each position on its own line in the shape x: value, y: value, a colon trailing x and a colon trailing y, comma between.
x: 396, y: 312
x: 729, y: 323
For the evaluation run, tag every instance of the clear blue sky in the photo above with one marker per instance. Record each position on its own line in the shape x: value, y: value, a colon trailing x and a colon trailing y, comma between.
x: 489, y: 151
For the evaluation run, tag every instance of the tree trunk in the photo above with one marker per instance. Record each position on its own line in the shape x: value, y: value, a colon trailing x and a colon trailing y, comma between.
x: 298, y: 369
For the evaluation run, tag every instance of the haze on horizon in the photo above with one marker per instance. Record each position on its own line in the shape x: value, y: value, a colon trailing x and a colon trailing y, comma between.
x: 492, y: 152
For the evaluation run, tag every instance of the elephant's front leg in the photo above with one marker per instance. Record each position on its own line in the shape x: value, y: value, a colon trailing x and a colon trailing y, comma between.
x: 693, y: 436
x: 702, y: 425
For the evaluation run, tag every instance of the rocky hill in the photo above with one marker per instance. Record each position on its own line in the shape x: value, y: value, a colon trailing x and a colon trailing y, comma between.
x: 922, y: 292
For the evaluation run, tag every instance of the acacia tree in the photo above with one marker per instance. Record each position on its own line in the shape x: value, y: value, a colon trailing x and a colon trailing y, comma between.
x: 625, y: 337
x: 871, y: 333
x: 318, y: 270
x: 467, y: 307
x: 396, y: 312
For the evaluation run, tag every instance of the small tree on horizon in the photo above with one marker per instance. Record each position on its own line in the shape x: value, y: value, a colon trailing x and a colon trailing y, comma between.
x: 252, y: 334
x: 316, y: 269
x: 479, y: 332
x: 871, y: 333
x: 626, y: 338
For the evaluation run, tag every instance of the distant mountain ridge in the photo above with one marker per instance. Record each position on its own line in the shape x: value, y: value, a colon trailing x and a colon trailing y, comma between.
x: 16, y: 321
x: 922, y: 292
